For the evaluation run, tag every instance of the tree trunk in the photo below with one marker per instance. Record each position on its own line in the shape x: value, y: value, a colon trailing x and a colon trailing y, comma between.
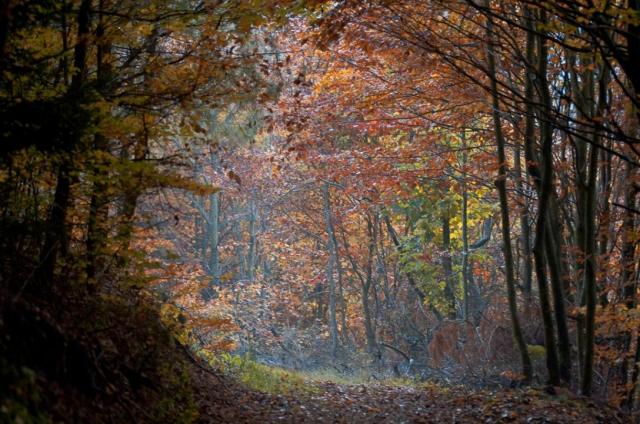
x: 586, y: 173
x: 527, y: 369
x: 525, y: 225
x: 447, y: 267
x: 331, y: 265
x: 214, y: 238
x: 251, y: 258
x: 465, y: 232
x: 534, y: 162
x: 57, y: 231
x: 590, y: 275
x: 97, y: 230
x: 366, y: 287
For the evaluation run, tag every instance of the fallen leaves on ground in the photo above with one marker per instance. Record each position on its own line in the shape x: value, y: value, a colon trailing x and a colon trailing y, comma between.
x: 223, y: 401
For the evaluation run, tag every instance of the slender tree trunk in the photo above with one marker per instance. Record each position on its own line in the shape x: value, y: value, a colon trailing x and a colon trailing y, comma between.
x: 527, y: 369
x: 251, y: 259
x: 590, y: 275
x: 533, y: 166
x: 214, y: 238
x: 97, y: 230
x: 525, y: 225
x: 629, y: 282
x: 549, y: 244
x: 366, y: 288
x: 588, y: 188
x: 331, y: 265
x: 465, y: 232
x: 239, y: 251
x: 343, y: 305
x: 56, y: 238
x: 604, y: 226
x: 447, y: 267
x: 57, y: 231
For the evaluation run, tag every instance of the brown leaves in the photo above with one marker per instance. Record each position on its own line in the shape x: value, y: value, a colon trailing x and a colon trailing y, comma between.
x: 423, y: 404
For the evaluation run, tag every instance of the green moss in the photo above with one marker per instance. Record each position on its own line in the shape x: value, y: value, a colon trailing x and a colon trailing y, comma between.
x: 536, y: 352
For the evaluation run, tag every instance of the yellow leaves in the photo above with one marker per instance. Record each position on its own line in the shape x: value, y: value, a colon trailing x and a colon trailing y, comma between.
x: 145, y: 29
x: 42, y: 42
x: 333, y: 79
x: 226, y: 277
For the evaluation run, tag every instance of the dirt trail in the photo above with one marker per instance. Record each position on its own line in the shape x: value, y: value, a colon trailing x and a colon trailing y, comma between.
x: 379, y: 403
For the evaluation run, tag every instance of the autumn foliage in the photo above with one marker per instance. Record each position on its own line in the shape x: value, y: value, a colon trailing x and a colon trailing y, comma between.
x: 428, y: 190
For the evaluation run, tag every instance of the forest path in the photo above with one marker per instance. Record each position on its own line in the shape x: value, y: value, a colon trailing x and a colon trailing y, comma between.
x: 381, y: 403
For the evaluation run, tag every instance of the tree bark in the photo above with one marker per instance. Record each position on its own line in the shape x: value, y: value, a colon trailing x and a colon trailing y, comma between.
x: 251, y: 256
x: 97, y: 230
x: 331, y: 265
x: 525, y: 224
x: 214, y: 238
x: 527, y: 369
x: 57, y: 231
x: 447, y: 267
x: 465, y: 232
x: 366, y: 287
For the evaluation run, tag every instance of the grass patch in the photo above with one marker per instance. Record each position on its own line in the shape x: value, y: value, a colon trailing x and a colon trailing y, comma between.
x: 276, y: 380
x: 329, y: 375
x: 356, y: 378
x: 264, y: 378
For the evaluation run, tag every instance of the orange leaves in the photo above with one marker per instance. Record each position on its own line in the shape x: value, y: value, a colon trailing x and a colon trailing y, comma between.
x: 617, y: 317
x: 213, y: 323
x: 220, y: 346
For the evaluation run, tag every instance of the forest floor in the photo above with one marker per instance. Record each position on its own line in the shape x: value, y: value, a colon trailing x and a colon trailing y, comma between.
x: 51, y: 371
x: 328, y: 402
